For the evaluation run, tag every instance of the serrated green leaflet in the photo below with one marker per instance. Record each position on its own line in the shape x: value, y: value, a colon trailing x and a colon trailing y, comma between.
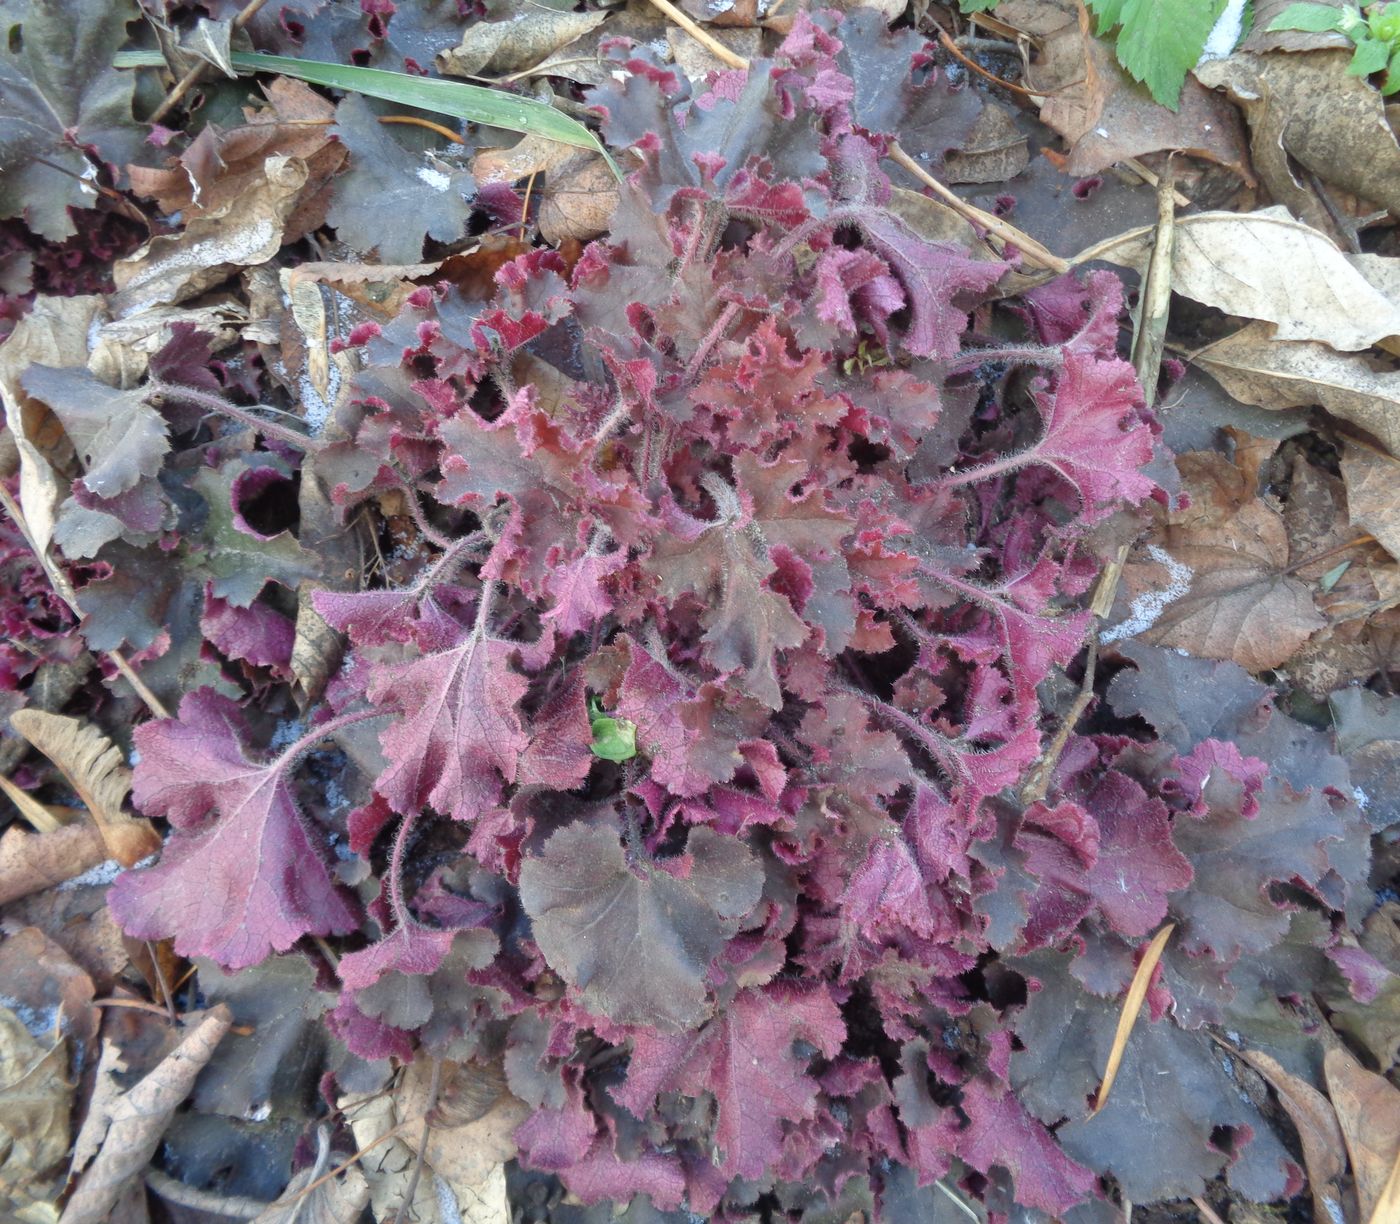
x: 474, y: 103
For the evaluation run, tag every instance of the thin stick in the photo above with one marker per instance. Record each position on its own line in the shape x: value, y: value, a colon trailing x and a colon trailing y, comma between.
x: 968, y: 62
x: 1033, y: 251
x: 1038, y: 784
x: 525, y: 207
x: 347, y: 1162
x: 439, y: 128
x: 136, y: 1004
x: 175, y: 1191
x: 1132, y: 1005
x: 1150, y: 177
x: 701, y: 35
x: 1157, y: 292
x: 1208, y: 1212
x: 196, y: 74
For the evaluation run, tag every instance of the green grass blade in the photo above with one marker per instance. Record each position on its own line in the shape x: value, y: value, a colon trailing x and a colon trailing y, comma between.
x: 474, y: 103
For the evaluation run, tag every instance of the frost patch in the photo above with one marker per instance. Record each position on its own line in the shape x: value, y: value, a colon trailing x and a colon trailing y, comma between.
x: 1147, y: 608
x: 103, y: 873
x: 42, y: 1022
x: 435, y: 179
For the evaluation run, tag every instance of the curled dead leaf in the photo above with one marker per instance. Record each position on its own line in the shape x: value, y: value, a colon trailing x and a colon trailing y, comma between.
x: 492, y: 48
x: 1256, y: 367
x: 36, y: 1098
x: 1368, y: 1110
x: 127, y: 1135
x: 32, y: 862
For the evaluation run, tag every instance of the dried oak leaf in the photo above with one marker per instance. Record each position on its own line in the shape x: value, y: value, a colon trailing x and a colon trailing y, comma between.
x: 1368, y: 1109
x: 223, y: 888
x: 426, y: 197
x: 59, y: 96
x: 36, y: 1099
x: 1372, y: 479
x: 1170, y: 1097
x: 746, y: 1058
x: 637, y: 939
x: 1233, y: 549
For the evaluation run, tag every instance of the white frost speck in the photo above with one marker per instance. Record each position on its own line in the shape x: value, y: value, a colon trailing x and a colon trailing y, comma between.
x: 1363, y: 800
x: 435, y: 179
x: 1225, y: 33
x: 287, y: 732
x: 1101, y: 133
x: 134, y: 756
x: 103, y: 873
x: 1149, y: 606
x: 315, y: 408
x: 42, y: 1022
x: 261, y: 1113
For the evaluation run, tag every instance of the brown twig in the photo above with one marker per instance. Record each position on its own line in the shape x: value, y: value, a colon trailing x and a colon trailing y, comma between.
x: 439, y: 128
x: 525, y: 208
x: 232, y: 1207
x: 196, y: 74
x: 1156, y: 291
x: 1330, y: 552
x: 968, y: 62
x: 1038, y: 784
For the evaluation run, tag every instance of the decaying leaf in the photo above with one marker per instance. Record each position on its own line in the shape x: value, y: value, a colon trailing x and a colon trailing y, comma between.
x: 1373, y: 492
x: 1265, y: 265
x: 30, y: 862
x: 994, y: 151
x: 1217, y: 585
x: 127, y: 1135
x: 1257, y: 367
x: 493, y: 48
x: 1368, y: 1109
x: 246, y: 232
x: 36, y: 1097
x: 577, y: 195
x: 1106, y: 116
x: 1348, y: 144
x: 466, y: 1159
x: 1324, y: 1151
x: 332, y: 1202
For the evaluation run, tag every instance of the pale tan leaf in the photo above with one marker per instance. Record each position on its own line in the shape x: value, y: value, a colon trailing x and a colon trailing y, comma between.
x: 1368, y: 1109
x: 32, y: 862
x: 94, y: 768
x: 35, y: 1101
x: 1324, y: 1150
x: 1265, y: 265
x: 1132, y: 1005
x: 44, y: 817
x: 492, y: 48
x: 580, y: 197
x: 467, y: 1146
x: 1257, y: 368
x: 327, y: 1201
x: 139, y: 1118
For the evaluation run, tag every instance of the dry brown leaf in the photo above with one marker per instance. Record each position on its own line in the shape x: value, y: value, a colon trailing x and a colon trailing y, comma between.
x: 467, y: 1149
x: 1214, y: 582
x: 96, y: 771
x: 1261, y: 38
x: 1324, y: 1150
x: 31, y: 862
x: 1368, y: 1109
x: 994, y: 151
x: 578, y: 195
x: 221, y: 166
x: 247, y: 231
x: 1265, y: 265
x: 1347, y: 143
x: 493, y: 48
x: 122, y: 348
x: 136, y: 1120
x: 36, y: 1098
x: 1256, y: 367
x: 48, y: 987
x: 1106, y: 117
x: 1373, y: 492
x: 54, y: 333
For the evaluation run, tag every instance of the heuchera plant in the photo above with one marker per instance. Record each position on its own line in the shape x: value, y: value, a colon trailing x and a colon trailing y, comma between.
x: 745, y: 560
